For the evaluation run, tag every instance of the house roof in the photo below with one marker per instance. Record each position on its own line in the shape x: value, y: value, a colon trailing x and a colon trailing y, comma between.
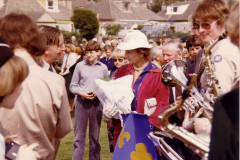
x: 180, y: 17
x: 64, y: 14
x: 29, y: 7
x: 112, y: 10
x: 80, y: 3
x: 34, y: 10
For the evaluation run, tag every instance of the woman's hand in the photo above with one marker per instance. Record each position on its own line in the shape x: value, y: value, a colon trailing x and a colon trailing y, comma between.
x: 27, y: 152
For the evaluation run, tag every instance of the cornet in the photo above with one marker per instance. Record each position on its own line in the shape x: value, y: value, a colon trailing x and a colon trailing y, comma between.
x: 175, y: 72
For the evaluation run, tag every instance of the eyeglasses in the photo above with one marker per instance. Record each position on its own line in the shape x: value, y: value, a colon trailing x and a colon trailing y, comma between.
x: 119, y: 60
x: 205, y: 25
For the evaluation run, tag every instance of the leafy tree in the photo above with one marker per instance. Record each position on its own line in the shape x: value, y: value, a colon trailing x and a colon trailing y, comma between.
x: 177, y: 34
x: 113, y: 29
x: 157, y: 6
x: 172, y: 28
x: 67, y: 35
x: 86, y: 21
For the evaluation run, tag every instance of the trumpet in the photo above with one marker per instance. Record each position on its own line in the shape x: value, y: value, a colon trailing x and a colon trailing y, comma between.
x: 175, y: 72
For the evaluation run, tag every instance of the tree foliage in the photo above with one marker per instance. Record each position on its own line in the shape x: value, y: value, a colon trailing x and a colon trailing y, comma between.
x: 86, y: 21
x: 113, y: 29
x: 157, y: 6
x: 67, y: 36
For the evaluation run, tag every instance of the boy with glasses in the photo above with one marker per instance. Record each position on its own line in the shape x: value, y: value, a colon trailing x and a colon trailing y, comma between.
x: 88, y: 107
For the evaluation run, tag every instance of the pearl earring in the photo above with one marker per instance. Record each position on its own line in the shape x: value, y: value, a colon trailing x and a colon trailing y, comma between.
x: 141, y: 55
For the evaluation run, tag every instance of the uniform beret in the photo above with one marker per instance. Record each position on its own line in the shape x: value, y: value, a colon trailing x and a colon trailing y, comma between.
x: 5, y: 52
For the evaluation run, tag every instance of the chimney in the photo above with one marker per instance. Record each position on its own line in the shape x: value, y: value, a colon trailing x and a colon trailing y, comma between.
x: 69, y: 4
x: 66, y: 3
x: 164, y: 6
x: 81, y: 5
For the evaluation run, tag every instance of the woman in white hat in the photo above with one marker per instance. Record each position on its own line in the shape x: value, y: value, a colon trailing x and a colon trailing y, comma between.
x: 146, y: 82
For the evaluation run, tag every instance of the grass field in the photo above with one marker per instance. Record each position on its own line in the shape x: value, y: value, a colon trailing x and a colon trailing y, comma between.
x: 66, y: 146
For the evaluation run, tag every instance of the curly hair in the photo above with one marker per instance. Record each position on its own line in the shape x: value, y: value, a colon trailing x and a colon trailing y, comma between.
x: 51, y: 33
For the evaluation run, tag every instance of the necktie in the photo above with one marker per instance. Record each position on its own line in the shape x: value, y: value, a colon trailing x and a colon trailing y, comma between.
x: 178, y: 92
x: 50, y: 68
x: 66, y: 62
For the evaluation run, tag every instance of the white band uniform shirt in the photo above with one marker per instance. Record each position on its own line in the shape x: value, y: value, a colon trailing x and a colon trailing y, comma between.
x: 225, y: 57
x: 41, y: 112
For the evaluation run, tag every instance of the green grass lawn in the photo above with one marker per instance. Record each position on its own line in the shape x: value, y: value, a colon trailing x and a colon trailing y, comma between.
x: 66, y: 146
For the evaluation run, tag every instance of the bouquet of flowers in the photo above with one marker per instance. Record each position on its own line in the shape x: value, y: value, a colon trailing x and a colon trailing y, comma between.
x: 115, y: 94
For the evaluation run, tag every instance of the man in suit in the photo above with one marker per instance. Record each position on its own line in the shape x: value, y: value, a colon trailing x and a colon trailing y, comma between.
x: 173, y: 50
x: 55, y: 45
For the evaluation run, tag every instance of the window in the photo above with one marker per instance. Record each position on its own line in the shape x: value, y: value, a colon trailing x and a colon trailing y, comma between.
x: 127, y: 6
x: 50, y: 4
x: 175, y: 9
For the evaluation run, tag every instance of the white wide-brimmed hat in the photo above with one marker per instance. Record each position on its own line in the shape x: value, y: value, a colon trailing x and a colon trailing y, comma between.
x: 133, y: 40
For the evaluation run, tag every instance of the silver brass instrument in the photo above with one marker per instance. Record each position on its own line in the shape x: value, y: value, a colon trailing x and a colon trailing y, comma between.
x: 175, y: 72
x: 209, y: 67
x: 161, y: 145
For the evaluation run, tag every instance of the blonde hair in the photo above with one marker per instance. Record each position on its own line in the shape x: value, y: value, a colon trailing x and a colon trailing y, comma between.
x: 190, y: 19
x: 118, y: 53
x: 232, y: 24
x: 78, y: 50
x: 12, y: 73
x: 72, y: 48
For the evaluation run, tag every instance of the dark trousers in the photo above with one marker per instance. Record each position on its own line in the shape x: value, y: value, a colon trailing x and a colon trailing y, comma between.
x: 87, y: 110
